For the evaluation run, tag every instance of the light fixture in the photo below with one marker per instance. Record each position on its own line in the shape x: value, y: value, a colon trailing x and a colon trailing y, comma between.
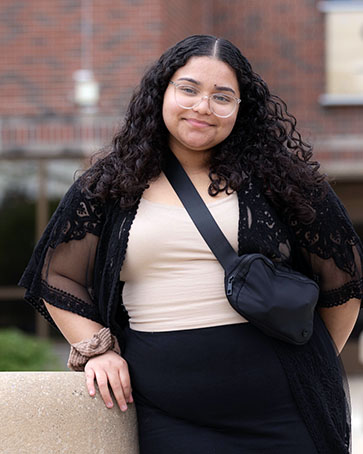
x: 86, y: 89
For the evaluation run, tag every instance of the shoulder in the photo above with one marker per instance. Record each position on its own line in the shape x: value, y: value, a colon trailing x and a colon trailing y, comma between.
x: 330, y: 213
x: 331, y: 235
x: 78, y: 213
x: 330, y: 207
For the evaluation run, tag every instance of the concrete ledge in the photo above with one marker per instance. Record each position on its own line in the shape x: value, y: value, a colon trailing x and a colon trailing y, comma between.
x: 51, y: 412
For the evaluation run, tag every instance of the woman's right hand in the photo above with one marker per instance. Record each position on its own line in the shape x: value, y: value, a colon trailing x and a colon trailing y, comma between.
x: 110, y: 371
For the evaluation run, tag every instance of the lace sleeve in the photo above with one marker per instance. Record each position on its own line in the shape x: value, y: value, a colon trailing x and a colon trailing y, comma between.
x: 60, y: 270
x: 333, y: 252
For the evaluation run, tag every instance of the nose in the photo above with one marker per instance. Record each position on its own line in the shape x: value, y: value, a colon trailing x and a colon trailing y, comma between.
x: 203, y: 105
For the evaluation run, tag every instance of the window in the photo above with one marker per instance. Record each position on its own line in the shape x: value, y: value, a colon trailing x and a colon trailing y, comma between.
x: 344, y: 52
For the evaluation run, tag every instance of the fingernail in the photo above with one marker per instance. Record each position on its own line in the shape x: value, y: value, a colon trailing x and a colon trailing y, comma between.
x: 123, y: 407
x: 109, y: 404
x: 92, y: 392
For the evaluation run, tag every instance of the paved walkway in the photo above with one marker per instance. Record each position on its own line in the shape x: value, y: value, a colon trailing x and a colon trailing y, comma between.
x: 356, y: 394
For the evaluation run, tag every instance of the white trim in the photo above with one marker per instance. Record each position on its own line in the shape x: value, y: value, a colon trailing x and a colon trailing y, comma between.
x: 338, y: 142
x: 342, y: 170
x: 349, y: 6
x: 341, y: 100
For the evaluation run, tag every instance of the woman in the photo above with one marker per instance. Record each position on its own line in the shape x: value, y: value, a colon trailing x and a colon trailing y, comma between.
x: 121, y: 256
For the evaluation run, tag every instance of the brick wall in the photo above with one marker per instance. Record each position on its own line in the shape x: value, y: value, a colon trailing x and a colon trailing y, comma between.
x: 284, y: 41
x: 41, y: 47
x: 184, y: 18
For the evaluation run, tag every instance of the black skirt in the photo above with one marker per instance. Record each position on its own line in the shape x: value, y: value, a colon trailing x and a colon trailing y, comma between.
x: 218, y: 390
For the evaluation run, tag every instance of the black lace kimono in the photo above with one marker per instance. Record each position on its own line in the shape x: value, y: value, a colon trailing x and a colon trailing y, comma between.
x: 76, y: 266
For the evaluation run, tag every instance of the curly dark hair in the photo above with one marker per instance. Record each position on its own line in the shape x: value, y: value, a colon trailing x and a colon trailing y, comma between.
x: 264, y: 141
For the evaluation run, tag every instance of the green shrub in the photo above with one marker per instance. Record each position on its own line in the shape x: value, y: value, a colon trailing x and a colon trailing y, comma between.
x: 22, y: 352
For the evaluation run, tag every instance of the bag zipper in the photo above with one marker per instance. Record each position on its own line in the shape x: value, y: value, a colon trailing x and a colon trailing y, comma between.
x: 230, y: 285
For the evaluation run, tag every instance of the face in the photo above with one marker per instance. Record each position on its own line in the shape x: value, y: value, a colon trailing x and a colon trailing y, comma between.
x: 198, y: 129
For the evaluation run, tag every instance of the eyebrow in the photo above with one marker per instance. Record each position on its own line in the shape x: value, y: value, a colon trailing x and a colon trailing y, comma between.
x: 218, y: 87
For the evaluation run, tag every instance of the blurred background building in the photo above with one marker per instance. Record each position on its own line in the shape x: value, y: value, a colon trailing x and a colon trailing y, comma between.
x: 68, y: 68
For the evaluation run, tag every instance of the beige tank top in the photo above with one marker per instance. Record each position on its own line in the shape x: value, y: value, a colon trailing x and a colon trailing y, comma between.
x: 172, y: 279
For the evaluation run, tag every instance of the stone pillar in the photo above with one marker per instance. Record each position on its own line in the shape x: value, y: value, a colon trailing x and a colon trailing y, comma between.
x: 51, y: 412
x: 360, y: 348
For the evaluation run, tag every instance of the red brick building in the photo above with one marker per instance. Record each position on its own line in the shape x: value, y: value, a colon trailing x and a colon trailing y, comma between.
x: 43, y: 44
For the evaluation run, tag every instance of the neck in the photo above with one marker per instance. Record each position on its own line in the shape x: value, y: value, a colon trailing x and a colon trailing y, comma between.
x: 193, y: 161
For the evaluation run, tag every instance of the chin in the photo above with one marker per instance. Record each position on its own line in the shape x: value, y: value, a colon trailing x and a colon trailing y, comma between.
x: 198, y: 146
x: 200, y: 149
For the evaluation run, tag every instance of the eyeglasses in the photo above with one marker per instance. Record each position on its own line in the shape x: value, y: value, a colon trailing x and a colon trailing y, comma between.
x: 221, y: 104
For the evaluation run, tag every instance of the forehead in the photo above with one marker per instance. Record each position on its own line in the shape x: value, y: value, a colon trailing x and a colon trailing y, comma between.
x: 208, y: 70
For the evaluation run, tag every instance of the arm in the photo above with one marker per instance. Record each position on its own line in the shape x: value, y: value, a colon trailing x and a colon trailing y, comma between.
x: 73, y: 327
x: 340, y: 321
x: 109, y: 369
x: 333, y: 253
x: 59, y: 283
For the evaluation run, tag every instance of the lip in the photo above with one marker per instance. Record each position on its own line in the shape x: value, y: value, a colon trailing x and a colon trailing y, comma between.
x: 197, y: 123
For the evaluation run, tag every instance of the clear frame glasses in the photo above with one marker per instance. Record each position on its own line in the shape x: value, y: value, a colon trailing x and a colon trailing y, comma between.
x: 221, y: 104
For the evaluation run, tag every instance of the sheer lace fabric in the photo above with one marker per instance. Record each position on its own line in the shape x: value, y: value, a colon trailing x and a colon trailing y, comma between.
x: 334, y: 252
x: 62, y: 266
x: 328, y: 250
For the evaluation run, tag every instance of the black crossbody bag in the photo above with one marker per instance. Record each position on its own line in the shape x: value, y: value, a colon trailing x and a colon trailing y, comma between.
x: 273, y: 297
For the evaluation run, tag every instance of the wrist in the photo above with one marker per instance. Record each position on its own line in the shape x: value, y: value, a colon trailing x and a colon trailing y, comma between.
x: 100, y: 343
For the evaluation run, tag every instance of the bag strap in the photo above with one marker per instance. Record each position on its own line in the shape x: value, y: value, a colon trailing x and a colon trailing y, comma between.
x: 200, y: 214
